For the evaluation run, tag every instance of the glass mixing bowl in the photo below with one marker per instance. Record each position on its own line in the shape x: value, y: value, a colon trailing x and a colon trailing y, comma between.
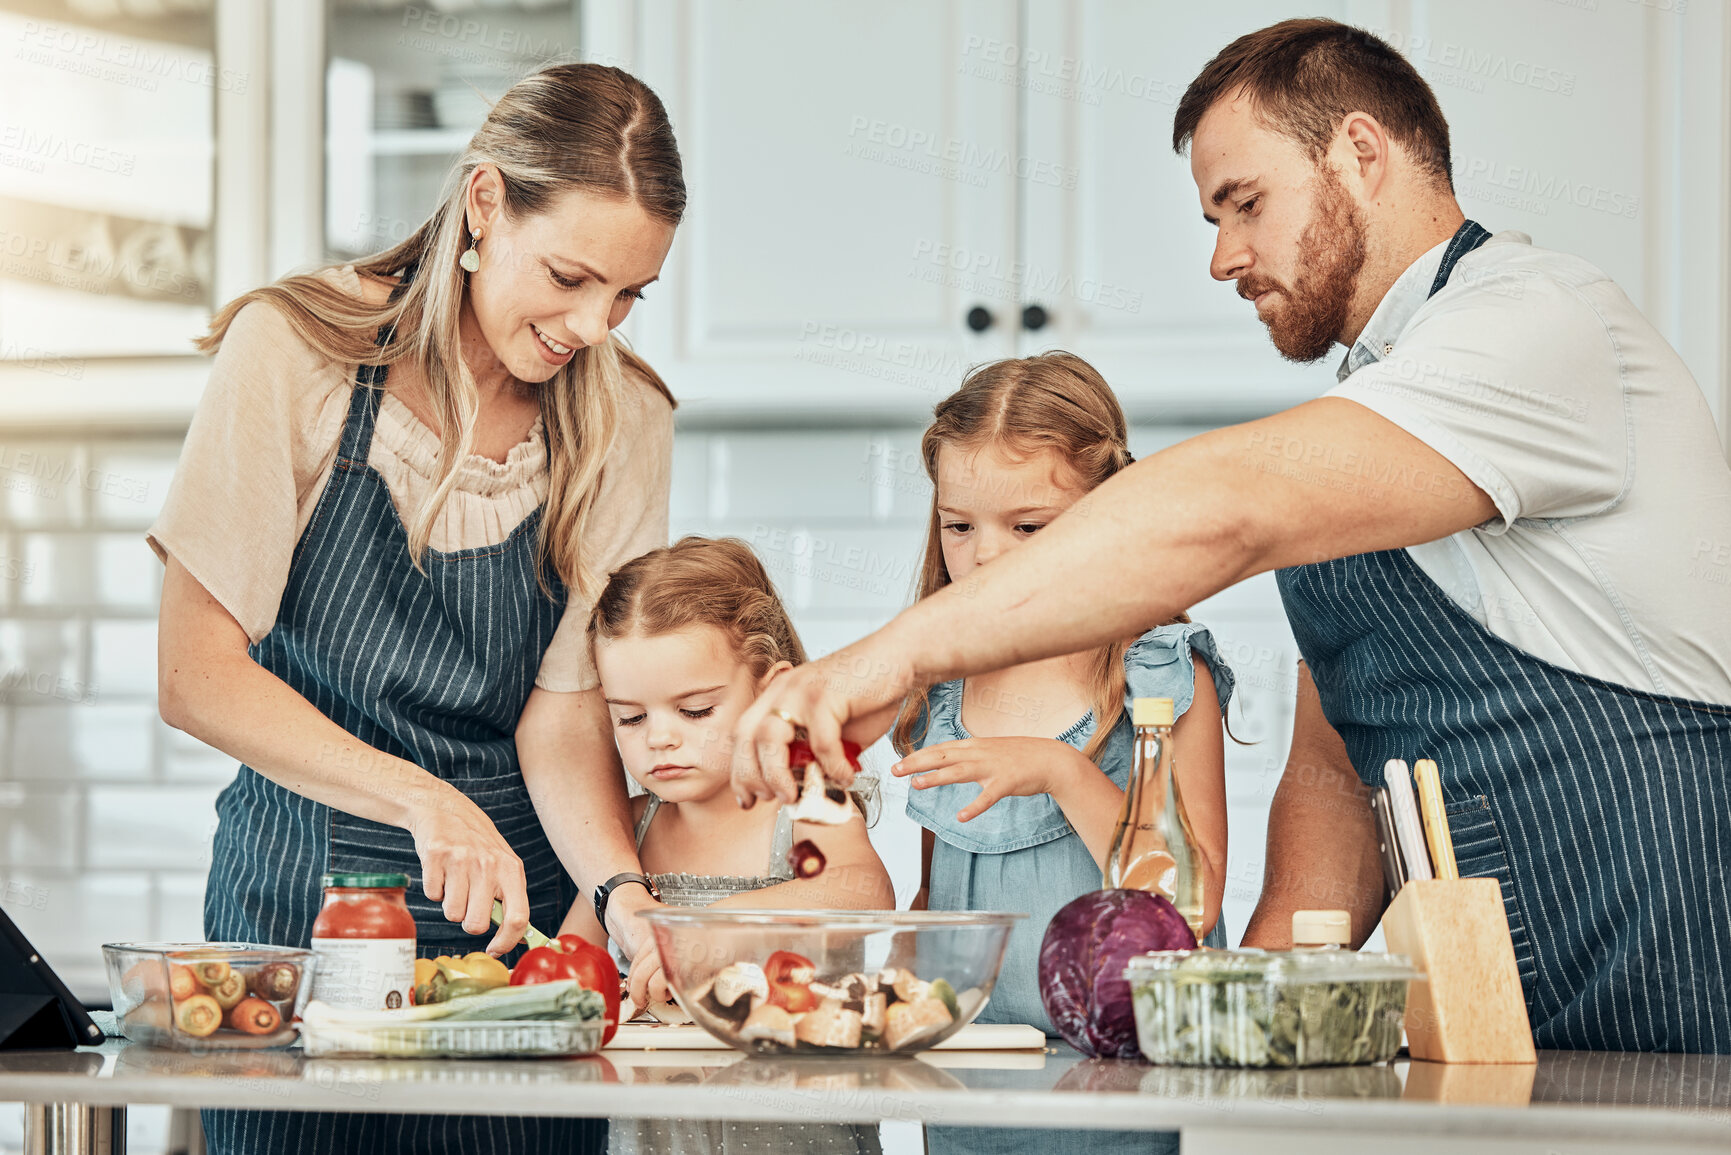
x: 831, y: 982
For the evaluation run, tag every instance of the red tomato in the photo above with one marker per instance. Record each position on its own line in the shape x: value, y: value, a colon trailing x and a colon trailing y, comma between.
x: 792, y: 995
x: 572, y: 957
x: 799, y: 753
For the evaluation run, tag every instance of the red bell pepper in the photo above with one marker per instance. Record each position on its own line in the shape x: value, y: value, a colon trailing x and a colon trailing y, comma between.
x: 572, y: 957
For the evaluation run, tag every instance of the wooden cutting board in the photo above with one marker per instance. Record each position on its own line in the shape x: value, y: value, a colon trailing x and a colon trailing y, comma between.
x: 690, y: 1037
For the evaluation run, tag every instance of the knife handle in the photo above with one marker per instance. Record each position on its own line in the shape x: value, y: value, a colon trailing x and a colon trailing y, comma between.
x: 1388, y: 843
x: 1436, y: 822
x: 1408, y: 828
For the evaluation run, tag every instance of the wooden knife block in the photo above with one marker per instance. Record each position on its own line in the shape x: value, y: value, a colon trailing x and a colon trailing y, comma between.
x: 1469, y: 1007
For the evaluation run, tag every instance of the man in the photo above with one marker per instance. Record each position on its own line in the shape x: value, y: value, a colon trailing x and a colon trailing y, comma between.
x: 1502, y: 542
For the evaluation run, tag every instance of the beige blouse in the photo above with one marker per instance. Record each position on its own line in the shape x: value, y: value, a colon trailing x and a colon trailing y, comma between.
x: 264, y: 441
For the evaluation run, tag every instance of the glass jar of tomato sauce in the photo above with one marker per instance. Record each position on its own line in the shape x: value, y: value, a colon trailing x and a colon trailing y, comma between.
x: 364, y: 937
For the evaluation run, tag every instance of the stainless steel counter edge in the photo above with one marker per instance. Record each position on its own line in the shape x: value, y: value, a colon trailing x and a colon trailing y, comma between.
x: 548, y: 1087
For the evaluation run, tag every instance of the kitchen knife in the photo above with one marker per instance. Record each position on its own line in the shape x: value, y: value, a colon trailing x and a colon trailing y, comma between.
x: 1407, y: 827
x: 1436, y: 821
x: 1387, y: 842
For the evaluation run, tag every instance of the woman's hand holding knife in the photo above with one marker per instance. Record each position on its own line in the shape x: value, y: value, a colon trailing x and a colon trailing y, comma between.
x: 466, y: 864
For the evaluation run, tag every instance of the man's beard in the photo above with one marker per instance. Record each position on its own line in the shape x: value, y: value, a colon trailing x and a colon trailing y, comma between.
x: 1330, y: 255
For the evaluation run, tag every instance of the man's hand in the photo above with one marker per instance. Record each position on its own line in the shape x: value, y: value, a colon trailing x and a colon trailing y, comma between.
x: 853, y: 692
x: 1004, y: 767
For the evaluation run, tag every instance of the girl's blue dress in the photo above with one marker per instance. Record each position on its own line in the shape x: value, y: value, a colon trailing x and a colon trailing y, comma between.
x: 1023, y: 854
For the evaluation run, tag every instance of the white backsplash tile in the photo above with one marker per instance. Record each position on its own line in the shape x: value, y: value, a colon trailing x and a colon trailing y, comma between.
x: 186, y: 759
x: 180, y: 907
x: 124, y: 654
x: 160, y: 827
x: 41, y: 824
x: 39, y: 482
x: 127, y: 481
x: 689, y: 500
x: 794, y: 473
x: 96, y: 742
x: 42, y: 662
x: 128, y: 575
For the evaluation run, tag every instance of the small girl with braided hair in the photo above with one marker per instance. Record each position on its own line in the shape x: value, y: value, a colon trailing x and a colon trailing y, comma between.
x: 684, y: 639
x: 1017, y: 776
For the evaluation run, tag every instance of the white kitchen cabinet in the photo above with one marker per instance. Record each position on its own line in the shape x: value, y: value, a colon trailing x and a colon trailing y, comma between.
x: 852, y: 198
x: 1123, y: 247
x: 862, y: 176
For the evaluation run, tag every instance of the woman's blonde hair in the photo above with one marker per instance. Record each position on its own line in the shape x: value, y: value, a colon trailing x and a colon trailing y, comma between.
x: 565, y: 127
x: 1055, y: 401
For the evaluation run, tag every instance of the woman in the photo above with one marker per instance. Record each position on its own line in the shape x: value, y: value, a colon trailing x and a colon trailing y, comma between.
x: 402, y: 491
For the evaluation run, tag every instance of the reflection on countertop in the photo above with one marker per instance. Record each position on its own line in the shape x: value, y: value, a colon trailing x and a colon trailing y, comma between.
x: 1607, y: 1095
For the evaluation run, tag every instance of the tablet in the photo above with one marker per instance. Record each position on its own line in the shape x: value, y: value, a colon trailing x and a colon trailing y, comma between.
x: 37, y: 1011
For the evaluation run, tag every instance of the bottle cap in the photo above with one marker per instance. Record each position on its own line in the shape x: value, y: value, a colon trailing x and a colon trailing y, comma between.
x: 1151, y: 712
x: 364, y: 881
x: 1321, y: 928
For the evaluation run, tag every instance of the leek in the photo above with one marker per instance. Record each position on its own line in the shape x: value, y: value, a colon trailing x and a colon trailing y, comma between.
x: 565, y: 999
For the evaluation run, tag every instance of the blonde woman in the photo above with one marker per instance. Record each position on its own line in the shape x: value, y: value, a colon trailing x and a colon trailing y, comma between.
x: 405, y: 486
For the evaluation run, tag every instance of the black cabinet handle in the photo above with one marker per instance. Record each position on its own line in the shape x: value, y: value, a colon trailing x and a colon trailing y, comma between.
x: 980, y: 318
x: 1034, y: 318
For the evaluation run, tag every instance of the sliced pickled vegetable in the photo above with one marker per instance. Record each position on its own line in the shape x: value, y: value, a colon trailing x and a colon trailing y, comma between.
x: 198, y: 1016
x: 182, y: 983
x: 230, y: 991
x: 276, y: 981
x: 255, y: 1017
x: 211, y: 971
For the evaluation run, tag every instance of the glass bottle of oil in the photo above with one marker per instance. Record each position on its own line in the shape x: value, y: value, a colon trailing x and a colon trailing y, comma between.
x: 1153, y: 847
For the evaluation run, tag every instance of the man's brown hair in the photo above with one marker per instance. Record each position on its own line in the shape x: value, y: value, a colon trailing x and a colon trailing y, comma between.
x: 1304, y: 76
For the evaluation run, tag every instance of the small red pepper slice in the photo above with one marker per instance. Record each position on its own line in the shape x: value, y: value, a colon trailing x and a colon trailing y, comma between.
x: 799, y: 753
x: 805, y: 859
x: 785, y: 991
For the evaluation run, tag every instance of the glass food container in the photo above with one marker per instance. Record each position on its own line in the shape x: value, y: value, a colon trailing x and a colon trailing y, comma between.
x: 208, y: 996
x: 1252, y: 1008
x: 833, y: 983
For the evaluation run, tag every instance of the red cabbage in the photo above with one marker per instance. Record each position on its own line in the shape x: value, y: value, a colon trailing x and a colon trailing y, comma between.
x: 1082, y: 960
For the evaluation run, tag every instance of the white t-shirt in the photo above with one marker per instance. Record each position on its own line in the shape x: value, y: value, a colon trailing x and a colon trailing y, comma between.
x: 1538, y: 378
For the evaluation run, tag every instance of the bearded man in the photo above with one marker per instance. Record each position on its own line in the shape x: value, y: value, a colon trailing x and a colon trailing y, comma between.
x: 1501, y: 540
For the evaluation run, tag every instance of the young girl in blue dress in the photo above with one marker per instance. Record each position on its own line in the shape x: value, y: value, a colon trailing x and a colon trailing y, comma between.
x: 1017, y: 776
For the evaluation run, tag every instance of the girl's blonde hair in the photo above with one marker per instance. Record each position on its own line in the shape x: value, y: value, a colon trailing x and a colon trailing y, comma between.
x: 562, y: 128
x: 708, y: 581
x: 700, y: 581
x: 1055, y: 401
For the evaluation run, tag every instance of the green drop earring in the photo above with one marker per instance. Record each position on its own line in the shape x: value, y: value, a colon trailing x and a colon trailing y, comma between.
x: 471, y: 258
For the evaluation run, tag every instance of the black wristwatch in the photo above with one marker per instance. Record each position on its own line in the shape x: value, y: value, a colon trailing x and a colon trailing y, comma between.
x: 606, y: 889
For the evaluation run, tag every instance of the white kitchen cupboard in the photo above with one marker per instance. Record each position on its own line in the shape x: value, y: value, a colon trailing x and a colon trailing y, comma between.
x: 851, y: 200
x: 862, y: 177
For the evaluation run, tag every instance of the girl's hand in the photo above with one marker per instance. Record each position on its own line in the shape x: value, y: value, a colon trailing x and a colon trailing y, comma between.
x: 645, y: 981
x: 466, y: 864
x: 1003, y: 767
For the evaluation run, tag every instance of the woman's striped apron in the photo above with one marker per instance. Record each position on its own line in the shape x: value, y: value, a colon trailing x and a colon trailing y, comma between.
x: 1604, y: 812
x: 432, y: 667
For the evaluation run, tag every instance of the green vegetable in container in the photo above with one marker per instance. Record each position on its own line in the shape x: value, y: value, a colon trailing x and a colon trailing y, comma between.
x: 1252, y: 1009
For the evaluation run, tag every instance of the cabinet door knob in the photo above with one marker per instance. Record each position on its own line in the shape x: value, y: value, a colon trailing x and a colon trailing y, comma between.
x: 980, y: 318
x: 1034, y: 318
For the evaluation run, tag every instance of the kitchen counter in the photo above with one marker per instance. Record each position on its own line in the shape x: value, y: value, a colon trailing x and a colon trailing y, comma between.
x: 1569, y: 1102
